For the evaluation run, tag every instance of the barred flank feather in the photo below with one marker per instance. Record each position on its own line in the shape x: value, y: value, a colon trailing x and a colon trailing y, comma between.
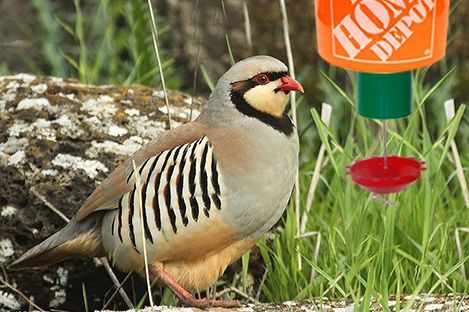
x: 176, y: 184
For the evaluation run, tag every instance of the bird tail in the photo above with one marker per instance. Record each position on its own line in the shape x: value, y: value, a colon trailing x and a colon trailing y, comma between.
x: 76, y: 239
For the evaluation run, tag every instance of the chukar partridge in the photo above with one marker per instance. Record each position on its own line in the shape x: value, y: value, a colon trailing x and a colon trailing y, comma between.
x: 208, y: 189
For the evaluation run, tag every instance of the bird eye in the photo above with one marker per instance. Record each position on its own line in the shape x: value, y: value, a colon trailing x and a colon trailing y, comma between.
x: 262, y: 79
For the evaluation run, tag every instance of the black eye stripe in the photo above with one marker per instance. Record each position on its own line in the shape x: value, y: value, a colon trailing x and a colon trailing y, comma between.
x: 243, y: 86
x: 272, y: 75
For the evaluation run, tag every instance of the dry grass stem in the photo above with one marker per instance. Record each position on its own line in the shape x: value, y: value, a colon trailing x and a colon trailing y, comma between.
x: 19, y: 292
x: 449, y: 111
x: 332, y: 284
x: 291, y: 66
x: 443, y: 279
x: 116, y: 282
x: 238, y: 292
x: 117, y: 291
x: 316, y: 249
x: 211, y: 292
x: 154, y: 33
x: 142, y: 230
x: 458, y: 245
x: 261, y: 284
x: 48, y: 204
x: 195, y: 83
x: 247, y: 25
x: 5, y: 273
x: 197, y: 60
x: 326, y: 118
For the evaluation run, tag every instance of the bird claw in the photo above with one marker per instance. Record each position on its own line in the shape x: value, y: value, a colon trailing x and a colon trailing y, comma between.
x: 185, y: 298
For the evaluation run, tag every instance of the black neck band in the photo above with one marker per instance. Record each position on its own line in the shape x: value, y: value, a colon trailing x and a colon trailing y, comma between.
x: 282, y: 124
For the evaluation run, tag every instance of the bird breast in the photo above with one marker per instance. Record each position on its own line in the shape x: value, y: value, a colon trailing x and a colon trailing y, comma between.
x: 258, y: 165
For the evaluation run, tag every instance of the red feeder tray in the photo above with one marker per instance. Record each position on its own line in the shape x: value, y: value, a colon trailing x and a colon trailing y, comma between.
x: 374, y: 177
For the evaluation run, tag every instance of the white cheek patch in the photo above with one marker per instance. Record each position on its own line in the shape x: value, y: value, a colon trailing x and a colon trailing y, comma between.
x: 265, y: 99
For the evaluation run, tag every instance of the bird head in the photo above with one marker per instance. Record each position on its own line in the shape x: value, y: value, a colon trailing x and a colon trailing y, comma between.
x: 256, y: 87
x: 262, y: 84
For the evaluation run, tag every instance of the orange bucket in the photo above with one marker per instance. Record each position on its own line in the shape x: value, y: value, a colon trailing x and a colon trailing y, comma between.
x: 382, y: 36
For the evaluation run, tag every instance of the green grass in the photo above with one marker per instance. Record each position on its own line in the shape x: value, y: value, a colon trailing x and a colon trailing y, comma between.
x: 107, y: 42
x: 368, y: 250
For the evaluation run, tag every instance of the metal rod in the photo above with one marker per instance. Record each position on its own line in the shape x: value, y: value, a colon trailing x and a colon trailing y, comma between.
x: 385, y: 156
x: 384, y: 145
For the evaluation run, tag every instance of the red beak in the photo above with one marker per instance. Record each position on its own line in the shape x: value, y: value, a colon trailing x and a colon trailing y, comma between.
x: 290, y: 84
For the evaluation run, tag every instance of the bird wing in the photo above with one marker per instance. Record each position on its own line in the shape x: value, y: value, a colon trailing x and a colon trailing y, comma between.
x: 108, y: 193
x: 182, y: 194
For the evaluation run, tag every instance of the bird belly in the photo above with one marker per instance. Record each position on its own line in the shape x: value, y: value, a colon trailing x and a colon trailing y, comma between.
x: 199, y: 273
x: 195, y: 257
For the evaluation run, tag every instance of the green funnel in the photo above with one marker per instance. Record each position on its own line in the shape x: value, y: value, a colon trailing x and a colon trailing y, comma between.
x: 385, y: 96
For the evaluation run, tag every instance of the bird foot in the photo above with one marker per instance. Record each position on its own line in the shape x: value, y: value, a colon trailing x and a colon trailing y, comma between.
x: 185, y: 298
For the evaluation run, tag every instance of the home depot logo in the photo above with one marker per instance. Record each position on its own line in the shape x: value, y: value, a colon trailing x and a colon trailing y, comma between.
x: 375, y: 31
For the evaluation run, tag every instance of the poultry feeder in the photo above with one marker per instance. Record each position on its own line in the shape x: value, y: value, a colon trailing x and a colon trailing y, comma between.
x: 383, y: 40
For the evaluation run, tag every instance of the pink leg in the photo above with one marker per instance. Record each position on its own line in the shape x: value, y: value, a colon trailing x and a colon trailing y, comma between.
x: 185, y: 298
